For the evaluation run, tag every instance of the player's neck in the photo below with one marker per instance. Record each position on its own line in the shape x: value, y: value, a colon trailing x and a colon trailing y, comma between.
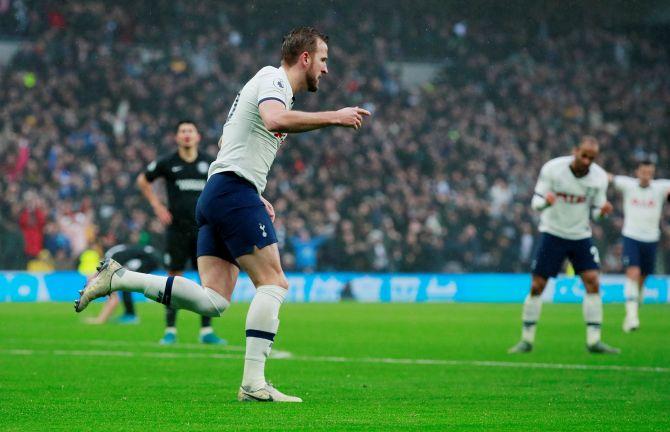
x: 295, y: 78
x: 188, y: 154
x: 577, y: 173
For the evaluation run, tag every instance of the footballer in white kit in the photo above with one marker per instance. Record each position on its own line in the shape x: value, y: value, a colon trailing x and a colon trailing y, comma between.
x: 569, y: 192
x: 234, y: 220
x: 643, y: 199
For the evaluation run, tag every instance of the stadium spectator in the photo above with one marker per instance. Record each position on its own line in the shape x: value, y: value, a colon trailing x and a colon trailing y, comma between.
x: 32, y: 220
x: 90, y: 96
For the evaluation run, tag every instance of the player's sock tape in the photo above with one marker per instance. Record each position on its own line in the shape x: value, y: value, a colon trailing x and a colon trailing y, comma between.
x: 261, y: 334
x: 168, y: 291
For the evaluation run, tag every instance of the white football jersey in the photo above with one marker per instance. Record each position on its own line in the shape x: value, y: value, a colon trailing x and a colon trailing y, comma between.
x: 246, y: 146
x: 576, y: 198
x: 642, y: 207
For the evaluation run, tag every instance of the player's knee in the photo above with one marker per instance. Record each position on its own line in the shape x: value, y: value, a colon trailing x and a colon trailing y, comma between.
x: 216, y: 304
x: 633, y: 272
x: 537, y: 286
x: 283, y: 282
x: 591, y: 284
x: 271, y: 277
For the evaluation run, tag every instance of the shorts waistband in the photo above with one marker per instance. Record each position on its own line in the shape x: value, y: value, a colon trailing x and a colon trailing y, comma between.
x: 235, y: 176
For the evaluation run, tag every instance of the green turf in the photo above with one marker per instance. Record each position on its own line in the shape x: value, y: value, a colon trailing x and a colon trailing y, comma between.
x: 70, y: 378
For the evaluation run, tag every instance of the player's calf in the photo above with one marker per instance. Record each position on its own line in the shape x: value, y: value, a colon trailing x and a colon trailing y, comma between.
x: 174, y: 291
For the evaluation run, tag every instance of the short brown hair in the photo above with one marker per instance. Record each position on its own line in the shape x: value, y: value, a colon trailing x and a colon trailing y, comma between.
x: 298, y: 41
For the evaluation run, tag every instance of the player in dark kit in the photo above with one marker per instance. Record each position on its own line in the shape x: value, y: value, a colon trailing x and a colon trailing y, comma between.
x: 139, y: 258
x: 185, y: 174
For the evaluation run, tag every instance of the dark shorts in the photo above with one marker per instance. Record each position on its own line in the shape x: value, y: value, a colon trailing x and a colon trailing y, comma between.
x: 552, y: 251
x: 639, y: 254
x: 232, y: 218
x: 181, y: 248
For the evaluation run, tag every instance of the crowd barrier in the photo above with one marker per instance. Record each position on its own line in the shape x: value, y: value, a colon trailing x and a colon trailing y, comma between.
x: 334, y: 287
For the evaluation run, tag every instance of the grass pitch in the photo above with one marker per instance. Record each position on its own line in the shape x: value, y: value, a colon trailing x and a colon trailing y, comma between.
x: 357, y: 366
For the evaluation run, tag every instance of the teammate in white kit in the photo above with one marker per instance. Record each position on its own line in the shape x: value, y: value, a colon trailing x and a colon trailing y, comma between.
x: 569, y: 191
x: 643, y: 199
x: 235, y: 222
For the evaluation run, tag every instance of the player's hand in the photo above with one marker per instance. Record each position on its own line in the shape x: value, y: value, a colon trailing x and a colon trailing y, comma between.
x: 163, y: 214
x: 351, y: 117
x: 606, y: 209
x: 550, y: 198
x: 269, y: 208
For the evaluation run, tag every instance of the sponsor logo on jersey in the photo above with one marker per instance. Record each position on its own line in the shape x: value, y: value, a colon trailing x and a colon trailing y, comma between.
x: 649, y: 203
x: 190, y: 184
x: 279, y: 83
x: 571, y: 199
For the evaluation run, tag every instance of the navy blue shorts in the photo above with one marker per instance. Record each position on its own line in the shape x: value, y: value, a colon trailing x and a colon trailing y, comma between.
x: 639, y: 254
x: 552, y: 251
x: 231, y: 218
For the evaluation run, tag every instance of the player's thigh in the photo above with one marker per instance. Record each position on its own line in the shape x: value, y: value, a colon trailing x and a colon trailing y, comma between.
x: 549, y: 256
x: 648, y: 258
x: 584, y: 256
x: 264, y: 267
x: 631, y: 252
x: 218, y: 274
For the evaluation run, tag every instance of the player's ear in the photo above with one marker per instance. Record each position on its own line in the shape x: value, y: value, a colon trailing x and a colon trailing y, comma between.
x: 305, y: 58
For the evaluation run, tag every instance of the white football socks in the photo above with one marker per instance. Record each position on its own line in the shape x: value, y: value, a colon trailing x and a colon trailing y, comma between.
x: 261, y: 328
x: 174, y: 291
x: 631, y: 292
x: 593, y: 315
x: 532, y: 307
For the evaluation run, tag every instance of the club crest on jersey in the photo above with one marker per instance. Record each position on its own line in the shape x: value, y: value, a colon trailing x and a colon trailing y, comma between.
x: 280, y: 136
x: 203, y: 167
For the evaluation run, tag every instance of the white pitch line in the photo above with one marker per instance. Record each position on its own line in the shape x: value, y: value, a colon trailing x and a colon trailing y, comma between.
x: 129, y: 343
x: 329, y: 359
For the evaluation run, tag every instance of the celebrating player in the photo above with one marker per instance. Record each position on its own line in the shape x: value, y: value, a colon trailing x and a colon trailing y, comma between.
x: 643, y: 200
x: 568, y: 191
x: 185, y: 174
x: 235, y: 220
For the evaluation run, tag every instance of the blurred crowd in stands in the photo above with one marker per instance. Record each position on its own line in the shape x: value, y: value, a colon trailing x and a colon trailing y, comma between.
x: 440, y: 179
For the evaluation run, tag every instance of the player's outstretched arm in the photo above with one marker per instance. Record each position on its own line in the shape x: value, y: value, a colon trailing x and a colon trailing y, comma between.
x: 278, y: 119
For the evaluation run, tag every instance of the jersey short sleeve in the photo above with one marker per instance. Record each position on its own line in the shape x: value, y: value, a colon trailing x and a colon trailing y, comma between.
x: 272, y: 86
x: 155, y: 170
x: 544, y: 181
x: 623, y: 183
x: 665, y: 185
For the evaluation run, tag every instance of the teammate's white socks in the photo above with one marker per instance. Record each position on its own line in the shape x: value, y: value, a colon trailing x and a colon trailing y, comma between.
x: 174, y: 291
x: 593, y: 315
x: 631, y: 292
x: 261, y: 328
x: 532, y: 307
